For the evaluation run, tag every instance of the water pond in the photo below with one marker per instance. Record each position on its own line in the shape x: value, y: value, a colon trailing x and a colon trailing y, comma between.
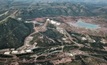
x: 83, y: 24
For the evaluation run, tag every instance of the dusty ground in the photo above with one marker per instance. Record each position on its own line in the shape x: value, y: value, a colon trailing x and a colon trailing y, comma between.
x: 102, y: 22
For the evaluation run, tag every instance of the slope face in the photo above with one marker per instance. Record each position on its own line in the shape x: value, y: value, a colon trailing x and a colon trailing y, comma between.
x: 12, y: 33
x: 54, y: 9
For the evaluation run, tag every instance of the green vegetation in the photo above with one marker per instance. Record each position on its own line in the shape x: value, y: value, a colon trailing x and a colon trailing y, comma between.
x: 12, y: 33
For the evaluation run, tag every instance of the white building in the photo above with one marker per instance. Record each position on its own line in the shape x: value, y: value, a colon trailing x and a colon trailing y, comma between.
x: 28, y: 51
x: 22, y: 51
x: 20, y: 19
x: 14, y: 52
x: 69, y: 54
x: 31, y: 22
x: 94, y: 41
x: 84, y: 38
x: 64, y: 39
x: 54, y: 22
x: 48, y: 20
x: 7, y: 53
x: 58, y: 23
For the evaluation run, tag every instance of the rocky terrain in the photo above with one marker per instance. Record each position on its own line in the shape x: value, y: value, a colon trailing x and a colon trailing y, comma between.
x: 55, y: 45
x: 33, y: 10
x: 70, y: 20
x: 57, y: 9
x: 46, y: 33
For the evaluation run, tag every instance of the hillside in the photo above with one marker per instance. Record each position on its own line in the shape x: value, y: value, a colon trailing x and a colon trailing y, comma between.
x: 58, y: 46
x: 86, y: 1
x: 55, y: 9
x: 33, y: 10
x: 12, y: 33
x: 53, y: 32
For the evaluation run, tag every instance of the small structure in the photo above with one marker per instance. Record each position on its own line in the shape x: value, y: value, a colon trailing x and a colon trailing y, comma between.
x: 69, y: 54
x: 84, y: 38
x: 58, y: 24
x: 54, y: 22
x: 64, y: 39
x: 12, y: 49
x: 28, y: 51
x: 94, y: 41
x: 7, y: 53
x: 48, y: 20
x: 31, y: 22
x: 20, y: 19
x: 14, y: 52
x: 22, y: 51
